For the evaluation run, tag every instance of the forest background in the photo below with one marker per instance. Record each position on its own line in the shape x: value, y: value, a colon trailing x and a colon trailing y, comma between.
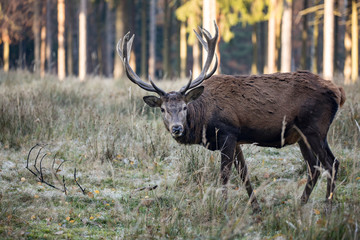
x: 78, y: 37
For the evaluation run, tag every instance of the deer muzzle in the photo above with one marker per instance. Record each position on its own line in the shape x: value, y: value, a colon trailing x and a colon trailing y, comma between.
x: 177, y: 130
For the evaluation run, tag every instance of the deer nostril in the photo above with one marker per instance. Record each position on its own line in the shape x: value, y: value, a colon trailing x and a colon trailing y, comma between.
x: 176, y: 129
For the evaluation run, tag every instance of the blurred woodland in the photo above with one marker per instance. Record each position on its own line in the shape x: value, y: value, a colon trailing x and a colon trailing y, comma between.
x: 78, y: 37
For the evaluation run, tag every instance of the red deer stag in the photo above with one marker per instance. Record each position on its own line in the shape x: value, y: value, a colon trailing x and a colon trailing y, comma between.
x: 272, y: 110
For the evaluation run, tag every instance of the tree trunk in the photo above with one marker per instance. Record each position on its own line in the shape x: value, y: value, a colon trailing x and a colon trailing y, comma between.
x: 6, y: 49
x: 82, y: 40
x: 347, y: 44
x: 61, y: 39
x: 166, y: 39
x: 336, y: 37
x: 36, y: 31
x: 143, y: 64
x: 130, y: 24
x: 196, y: 59
x: 286, y: 37
x: 355, y: 43
x: 328, y: 52
x: 262, y: 50
x: 209, y: 16
x: 255, y: 49
x: 152, y: 40
x: 48, y: 36
x: 109, y: 47
x: 21, y: 59
x: 69, y: 38
x: 304, y: 37
x: 43, y: 43
x: 120, y: 33
x: 316, y: 43
x: 183, y: 50
x: 271, y: 62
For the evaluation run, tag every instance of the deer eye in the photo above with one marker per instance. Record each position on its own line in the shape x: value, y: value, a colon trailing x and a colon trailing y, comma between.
x: 185, y: 108
x: 162, y: 110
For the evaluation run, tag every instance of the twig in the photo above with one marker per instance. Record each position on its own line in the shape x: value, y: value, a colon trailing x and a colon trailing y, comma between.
x: 64, y: 185
x: 146, y: 188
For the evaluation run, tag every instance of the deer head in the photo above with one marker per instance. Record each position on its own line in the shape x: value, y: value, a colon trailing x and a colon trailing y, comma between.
x: 173, y: 104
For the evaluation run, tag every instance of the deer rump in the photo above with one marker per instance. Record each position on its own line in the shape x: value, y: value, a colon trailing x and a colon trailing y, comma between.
x: 270, y: 110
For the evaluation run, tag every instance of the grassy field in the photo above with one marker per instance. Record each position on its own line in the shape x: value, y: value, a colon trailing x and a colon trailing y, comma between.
x: 121, y: 151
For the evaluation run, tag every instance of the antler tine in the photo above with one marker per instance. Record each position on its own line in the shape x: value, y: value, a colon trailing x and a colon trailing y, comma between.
x: 185, y: 88
x: 82, y: 189
x: 27, y: 160
x: 158, y: 90
x: 37, y: 156
x: 209, y: 46
x: 214, y: 68
x: 205, y: 45
x: 41, y: 173
x: 124, y: 50
x: 201, y: 40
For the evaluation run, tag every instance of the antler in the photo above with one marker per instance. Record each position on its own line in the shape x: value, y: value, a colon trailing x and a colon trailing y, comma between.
x: 124, y: 51
x: 38, y: 173
x: 209, y: 46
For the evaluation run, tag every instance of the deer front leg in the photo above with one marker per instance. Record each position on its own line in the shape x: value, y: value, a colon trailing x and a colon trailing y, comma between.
x: 227, y: 159
x: 243, y: 171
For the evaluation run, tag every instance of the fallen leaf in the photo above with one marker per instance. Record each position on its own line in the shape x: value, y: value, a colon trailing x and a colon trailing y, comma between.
x: 23, y: 179
x: 90, y: 194
x: 321, y: 222
x: 302, y: 182
x: 358, y: 178
x: 317, y: 212
x: 91, y: 218
x: 33, y: 217
x: 67, y: 218
x: 72, y: 221
x: 36, y: 196
x: 331, y: 195
x: 147, y: 202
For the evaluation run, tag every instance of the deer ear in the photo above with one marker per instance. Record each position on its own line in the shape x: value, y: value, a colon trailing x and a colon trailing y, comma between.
x: 152, y: 101
x: 194, y: 94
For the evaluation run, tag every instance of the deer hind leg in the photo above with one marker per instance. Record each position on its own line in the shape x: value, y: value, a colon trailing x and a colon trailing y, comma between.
x: 321, y: 149
x: 333, y: 173
x: 312, y: 162
x: 241, y: 168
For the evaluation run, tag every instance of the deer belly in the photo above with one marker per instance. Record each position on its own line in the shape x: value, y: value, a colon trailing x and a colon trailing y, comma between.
x: 268, y: 137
